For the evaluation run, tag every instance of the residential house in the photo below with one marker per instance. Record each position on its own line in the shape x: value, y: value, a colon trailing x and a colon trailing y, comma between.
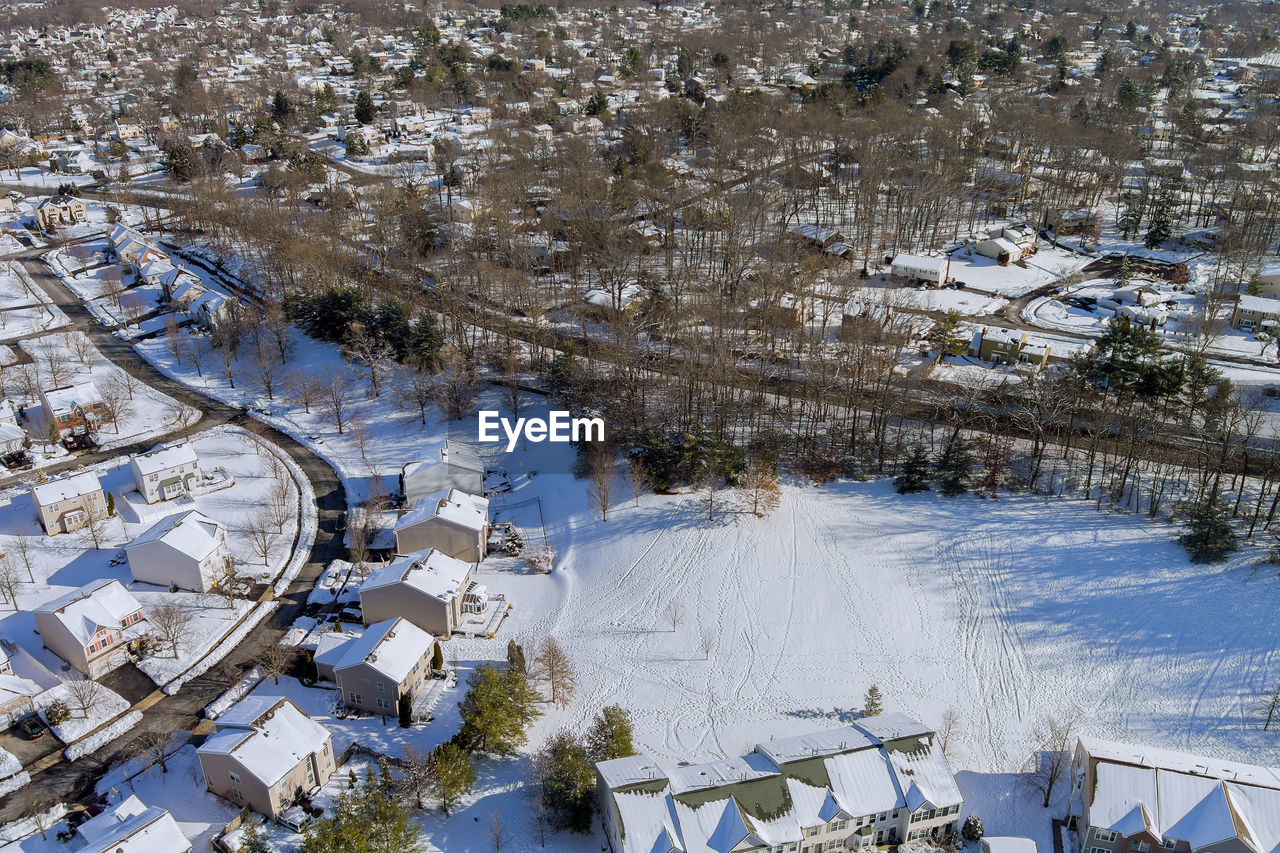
x: 1007, y: 346
x: 131, y: 827
x: 68, y: 504
x: 1268, y: 281
x: 391, y: 659
x: 459, y: 468
x: 89, y: 627
x: 1255, y: 313
x: 431, y: 590
x: 1127, y: 798
x: 1008, y: 244
x: 166, y: 472
x: 880, y: 781
x: 16, y: 694
x: 263, y: 752
x: 74, y: 409
x: 455, y: 522
x: 60, y: 210
x: 13, y: 441
x: 917, y: 269
x: 188, y: 550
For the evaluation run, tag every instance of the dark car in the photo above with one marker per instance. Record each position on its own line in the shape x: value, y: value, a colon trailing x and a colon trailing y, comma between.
x: 31, y: 727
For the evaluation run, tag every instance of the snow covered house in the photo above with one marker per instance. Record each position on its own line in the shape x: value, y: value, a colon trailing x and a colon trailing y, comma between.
x: 455, y: 522
x: 917, y: 269
x: 882, y: 780
x: 131, y: 827
x: 75, y: 409
x: 60, y: 210
x: 431, y: 590
x: 1255, y: 313
x: 89, y: 627
x: 16, y: 695
x: 459, y: 468
x: 68, y: 504
x: 187, y: 549
x: 166, y: 472
x: 391, y: 659
x: 1008, y: 244
x: 1008, y: 346
x: 1268, y: 280
x: 1126, y: 797
x: 265, y: 749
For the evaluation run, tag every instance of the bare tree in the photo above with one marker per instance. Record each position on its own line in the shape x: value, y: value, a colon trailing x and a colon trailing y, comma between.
x: 183, y: 418
x: 174, y: 338
x: 673, y: 614
x: 81, y: 347
x: 602, y: 470
x: 552, y: 664
x: 266, y: 366
x: 706, y: 644
x: 758, y: 491
x: 83, y: 694
x: 158, y: 743
x: 275, y: 659
x: 259, y: 530
x: 415, y: 774
x: 20, y: 545
x: 228, y: 580
x: 170, y: 622
x: 281, y: 504
x: 365, y: 346
x: 1271, y: 707
x: 302, y: 389
x: 948, y: 730
x: 638, y: 478
x: 416, y: 391
x: 55, y: 365
x: 1054, y: 738
x: 456, y: 390
x: 9, y: 580
x: 535, y: 791
x: 336, y: 401
x: 97, y: 528
x: 497, y: 832
x: 116, y: 401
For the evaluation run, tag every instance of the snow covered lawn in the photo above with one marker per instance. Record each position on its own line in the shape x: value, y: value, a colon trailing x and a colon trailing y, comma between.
x: 107, y: 705
x: 1014, y: 280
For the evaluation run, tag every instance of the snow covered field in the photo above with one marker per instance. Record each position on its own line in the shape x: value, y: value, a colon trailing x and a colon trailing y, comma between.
x: 986, y: 275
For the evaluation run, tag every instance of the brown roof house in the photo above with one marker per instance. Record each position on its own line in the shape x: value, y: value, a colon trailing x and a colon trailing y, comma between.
x: 90, y: 627
x: 264, y: 753
x: 60, y: 210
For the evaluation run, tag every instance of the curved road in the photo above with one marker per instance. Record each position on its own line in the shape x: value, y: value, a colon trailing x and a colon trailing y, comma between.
x: 67, y: 782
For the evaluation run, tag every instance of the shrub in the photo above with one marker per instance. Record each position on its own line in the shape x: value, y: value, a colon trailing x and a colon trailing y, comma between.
x: 972, y: 829
x: 56, y: 713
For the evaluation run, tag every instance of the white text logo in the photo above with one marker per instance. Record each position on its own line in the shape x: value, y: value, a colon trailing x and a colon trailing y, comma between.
x: 559, y: 427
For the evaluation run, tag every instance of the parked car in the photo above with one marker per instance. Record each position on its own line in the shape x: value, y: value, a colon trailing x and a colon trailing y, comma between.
x: 31, y: 727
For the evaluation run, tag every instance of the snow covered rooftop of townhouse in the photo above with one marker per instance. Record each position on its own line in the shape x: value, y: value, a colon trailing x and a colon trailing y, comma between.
x: 164, y: 458
x: 919, y: 262
x: 825, y: 742
x: 77, y: 485
x: 192, y: 532
x: 267, y: 747
x: 455, y: 506
x: 437, y: 574
x: 1182, y: 762
x: 925, y: 778
x: 725, y: 771
x: 631, y: 770
x: 393, y: 647
x: 862, y: 782
x: 103, y: 603
x: 132, y: 827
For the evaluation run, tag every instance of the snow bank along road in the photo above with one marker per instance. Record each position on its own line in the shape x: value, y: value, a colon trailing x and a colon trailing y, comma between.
x: 67, y: 782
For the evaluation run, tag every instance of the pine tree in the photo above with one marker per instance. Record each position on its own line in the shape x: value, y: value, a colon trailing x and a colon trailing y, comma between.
x: 404, y: 707
x: 915, y: 473
x: 952, y: 471
x: 364, y: 107
x: 1130, y: 221
x: 945, y: 335
x: 568, y: 780
x: 873, y: 702
x: 437, y: 658
x: 368, y: 818
x: 251, y: 840
x: 452, y: 773
x: 610, y: 735
x: 497, y: 710
x: 111, y: 505
x: 1160, y: 227
x: 515, y: 656
x: 1124, y: 273
x: 1209, y: 537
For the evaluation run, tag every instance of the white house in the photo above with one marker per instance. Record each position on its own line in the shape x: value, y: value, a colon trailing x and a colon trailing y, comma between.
x: 165, y: 473
x: 131, y: 827
x: 918, y: 269
x: 188, y: 550
x: 459, y: 468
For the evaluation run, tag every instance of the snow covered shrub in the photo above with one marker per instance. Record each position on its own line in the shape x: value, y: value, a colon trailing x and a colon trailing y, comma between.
x: 540, y: 559
x: 56, y: 713
x: 972, y: 829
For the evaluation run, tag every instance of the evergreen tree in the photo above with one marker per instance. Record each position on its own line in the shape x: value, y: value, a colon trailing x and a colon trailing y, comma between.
x: 437, y: 658
x: 368, y: 818
x: 1130, y: 221
x: 111, y: 505
x: 497, y: 710
x: 915, y: 473
x: 1124, y: 272
x: 515, y: 657
x: 1209, y: 537
x: 610, y: 735
x: 251, y: 840
x: 1160, y: 225
x: 945, y: 335
x: 568, y: 781
x: 872, y: 702
x: 952, y: 471
x: 452, y: 772
x: 404, y: 708
x: 364, y: 107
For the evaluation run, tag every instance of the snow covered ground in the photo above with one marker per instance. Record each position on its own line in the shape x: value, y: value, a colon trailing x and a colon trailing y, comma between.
x: 1014, y: 280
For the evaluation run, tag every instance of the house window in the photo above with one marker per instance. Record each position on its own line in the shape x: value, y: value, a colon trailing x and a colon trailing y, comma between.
x: 1099, y: 850
x: 382, y: 688
x: 1104, y: 835
x: 238, y: 794
x: 883, y: 815
x: 383, y: 703
x: 355, y: 697
x: 838, y: 825
x: 1169, y: 843
x: 1139, y: 846
x: 811, y: 831
x: 235, y: 777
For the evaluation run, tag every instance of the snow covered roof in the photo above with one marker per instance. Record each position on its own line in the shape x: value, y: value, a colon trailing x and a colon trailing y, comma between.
x: 455, y: 507
x: 393, y: 647
x: 67, y: 488
x: 1004, y: 244
x: 101, y: 604
x: 268, y: 736
x: 192, y: 533
x: 68, y: 398
x: 436, y: 574
x: 919, y: 262
x: 1184, y: 797
x: 1259, y: 304
x: 164, y: 458
x: 132, y: 827
x: 768, y: 796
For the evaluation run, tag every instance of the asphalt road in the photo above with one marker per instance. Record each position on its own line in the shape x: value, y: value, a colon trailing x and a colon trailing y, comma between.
x: 68, y: 782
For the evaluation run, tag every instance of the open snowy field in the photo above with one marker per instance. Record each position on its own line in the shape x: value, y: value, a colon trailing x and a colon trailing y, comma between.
x: 986, y: 275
